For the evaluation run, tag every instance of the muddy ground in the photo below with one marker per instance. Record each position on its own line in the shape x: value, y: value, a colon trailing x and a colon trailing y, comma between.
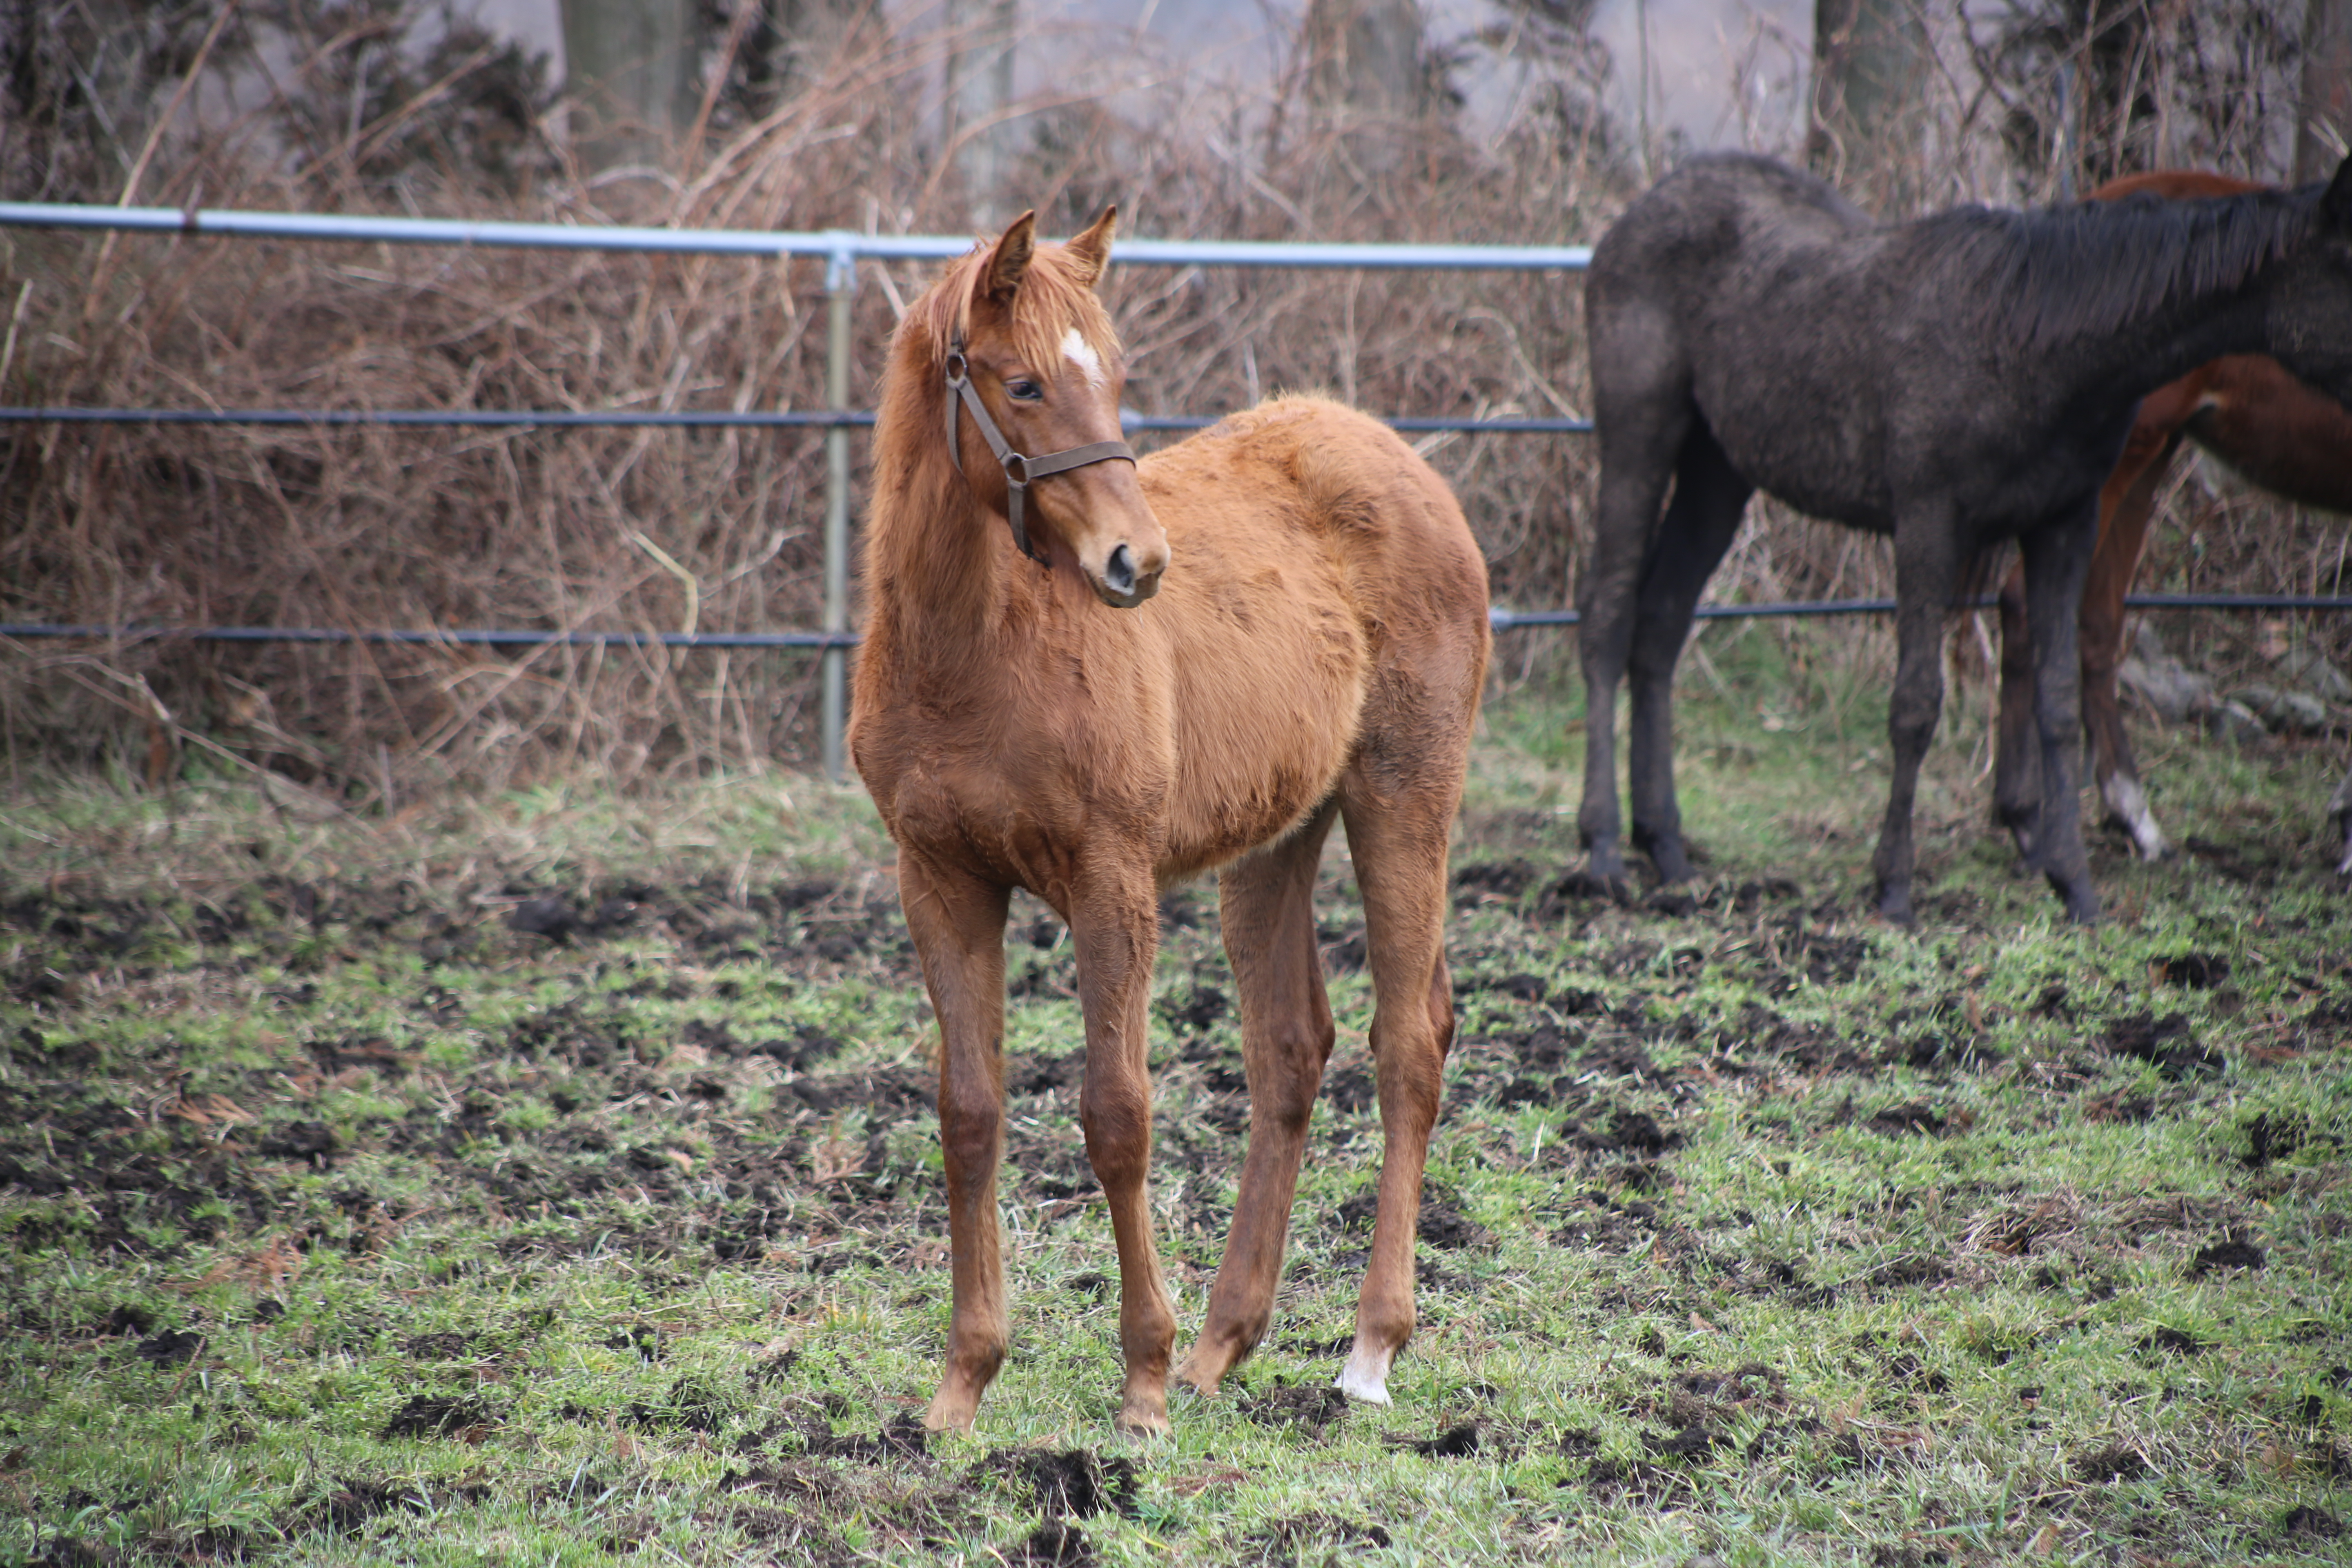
x: 275, y: 1121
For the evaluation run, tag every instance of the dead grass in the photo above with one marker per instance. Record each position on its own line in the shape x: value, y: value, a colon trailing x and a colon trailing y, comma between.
x: 370, y: 528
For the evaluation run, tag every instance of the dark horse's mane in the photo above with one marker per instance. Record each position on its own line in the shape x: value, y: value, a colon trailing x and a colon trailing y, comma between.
x: 2059, y: 273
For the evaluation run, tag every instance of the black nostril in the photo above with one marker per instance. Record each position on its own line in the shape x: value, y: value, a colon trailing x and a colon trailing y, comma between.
x: 1119, y: 572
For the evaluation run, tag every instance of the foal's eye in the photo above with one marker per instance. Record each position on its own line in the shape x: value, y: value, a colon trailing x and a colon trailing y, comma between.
x: 1024, y: 391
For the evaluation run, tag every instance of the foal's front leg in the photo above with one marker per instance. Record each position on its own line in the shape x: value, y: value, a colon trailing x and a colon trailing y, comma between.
x: 1114, y: 927
x: 957, y: 926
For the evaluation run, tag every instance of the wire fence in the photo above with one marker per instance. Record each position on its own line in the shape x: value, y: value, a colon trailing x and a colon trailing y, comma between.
x: 841, y: 251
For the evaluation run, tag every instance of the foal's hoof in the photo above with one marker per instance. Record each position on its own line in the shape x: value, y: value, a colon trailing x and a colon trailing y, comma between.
x: 1144, y: 1418
x: 2082, y: 908
x: 1365, y: 1375
x: 1201, y: 1373
x: 1672, y: 861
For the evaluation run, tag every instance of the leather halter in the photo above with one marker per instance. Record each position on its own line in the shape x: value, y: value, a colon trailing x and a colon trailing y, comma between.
x: 1019, y: 470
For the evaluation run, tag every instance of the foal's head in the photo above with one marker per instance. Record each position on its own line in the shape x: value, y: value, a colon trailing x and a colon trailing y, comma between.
x: 1040, y: 354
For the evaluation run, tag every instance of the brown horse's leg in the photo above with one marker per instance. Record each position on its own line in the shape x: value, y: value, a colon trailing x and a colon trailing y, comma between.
x: 957, y: 926
x: 1267, y: 910
x: 2340, y: 812
x: 2017, y: 767
x: 1115, y: 926
x: 2127, y: 507
x: 1398, y: 842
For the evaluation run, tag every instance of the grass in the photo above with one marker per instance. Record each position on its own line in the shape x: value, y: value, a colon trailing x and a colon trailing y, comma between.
x: 346, y: 1221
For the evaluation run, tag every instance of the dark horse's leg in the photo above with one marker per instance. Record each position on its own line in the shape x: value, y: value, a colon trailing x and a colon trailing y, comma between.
x: 2126, y: 507
x: 1266, y: 910
x: 1927, y: 566
x: 1709, y: 497
x: 2057, y: 557
x: 2017, y: 757
x: 1642, y: 408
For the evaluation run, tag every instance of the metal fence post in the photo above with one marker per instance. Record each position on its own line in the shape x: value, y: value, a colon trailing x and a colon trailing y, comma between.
x: 840, y: 285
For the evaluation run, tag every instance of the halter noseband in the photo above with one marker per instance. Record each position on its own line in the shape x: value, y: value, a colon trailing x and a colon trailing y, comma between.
x: 1019, y: 470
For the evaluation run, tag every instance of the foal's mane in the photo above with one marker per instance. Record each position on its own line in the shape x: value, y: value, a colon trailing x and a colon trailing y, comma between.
x: 2075, y: 271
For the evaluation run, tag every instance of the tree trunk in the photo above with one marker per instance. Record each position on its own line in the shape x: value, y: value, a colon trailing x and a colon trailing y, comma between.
x: 629, y: 69
x: 1865, y: 126
x: 979, y: 90
x: 2323, y: 115
x: 1366, y: 76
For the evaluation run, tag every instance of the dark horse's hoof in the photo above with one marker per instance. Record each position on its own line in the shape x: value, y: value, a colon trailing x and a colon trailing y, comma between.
x: 1672, y: 860
x: 1895, y: 907
x: 2081, y: 899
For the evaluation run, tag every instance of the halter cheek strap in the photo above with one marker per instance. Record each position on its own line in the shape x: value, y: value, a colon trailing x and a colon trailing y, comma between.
x: 1019, y: 470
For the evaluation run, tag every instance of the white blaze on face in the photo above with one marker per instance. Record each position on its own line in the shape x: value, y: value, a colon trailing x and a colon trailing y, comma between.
x: 1081, y: 353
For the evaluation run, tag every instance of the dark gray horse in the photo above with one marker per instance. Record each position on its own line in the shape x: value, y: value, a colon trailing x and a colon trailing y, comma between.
x: 1954, y: 381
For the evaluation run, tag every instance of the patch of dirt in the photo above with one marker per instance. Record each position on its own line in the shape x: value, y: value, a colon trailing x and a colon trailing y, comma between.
x: 1292, y: 1542
x: 2232, y: 1252
x: 1638, y: 1482
x: 2198, y: 971
x: 2317, y: 1523
x: 1898, y: 1119
x: 1057, y: 1542
x: 1310, y: 1409
x: 2165, y: 1044
x: 465, y: 1418
x: 1456, y: 1442
x: 1072, y: 1483
x: 2112, y: 1463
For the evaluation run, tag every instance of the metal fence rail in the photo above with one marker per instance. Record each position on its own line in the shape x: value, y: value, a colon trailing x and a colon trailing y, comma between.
x: 840, y: 250
x: 1499, y: 618
x: 689, y: 419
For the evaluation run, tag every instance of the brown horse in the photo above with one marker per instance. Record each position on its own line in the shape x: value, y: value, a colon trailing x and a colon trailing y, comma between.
x: 2248, y: 411
x: 1160, y: 667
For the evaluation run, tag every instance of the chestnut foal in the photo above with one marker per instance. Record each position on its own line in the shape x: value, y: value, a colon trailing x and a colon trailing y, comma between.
x: 1094, y: 676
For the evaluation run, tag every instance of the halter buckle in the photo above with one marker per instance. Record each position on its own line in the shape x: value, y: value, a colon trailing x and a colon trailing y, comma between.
x: 1019, y: 468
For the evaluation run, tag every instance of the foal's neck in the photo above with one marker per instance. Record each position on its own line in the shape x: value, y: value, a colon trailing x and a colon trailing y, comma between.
x: 2198, y: 324
x: 937, y: 568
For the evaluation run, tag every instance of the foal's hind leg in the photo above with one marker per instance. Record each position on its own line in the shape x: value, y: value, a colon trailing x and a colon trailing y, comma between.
x: 1266, y: 910
x: 1398, y: 843
x: 1709, y: 496
x: 1927, y: 565
x: 2057, y: 555
x: 1642, y: 408
x: 2016, y: 760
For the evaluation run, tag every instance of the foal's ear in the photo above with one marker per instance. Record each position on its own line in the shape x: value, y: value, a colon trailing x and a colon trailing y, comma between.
x: 2336, y: 206
x: 1091, y: 250
x: 1008, y: 261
